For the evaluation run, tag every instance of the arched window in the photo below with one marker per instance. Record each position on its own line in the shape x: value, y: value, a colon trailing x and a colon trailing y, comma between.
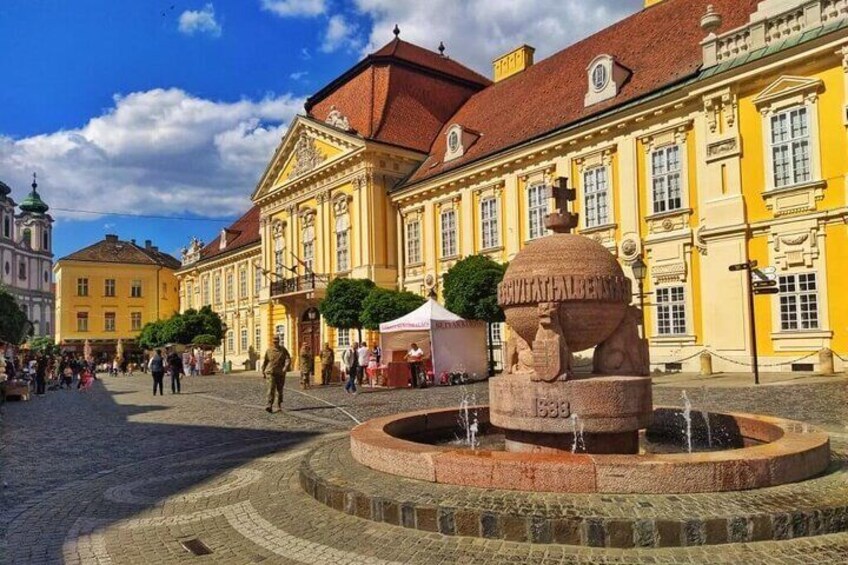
x: 342, y: 235
x: 27, y: 237
x: 45, y: 241
x: 7, y: 226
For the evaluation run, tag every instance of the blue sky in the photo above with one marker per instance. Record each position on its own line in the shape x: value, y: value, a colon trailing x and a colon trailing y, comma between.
x: 174, y: 108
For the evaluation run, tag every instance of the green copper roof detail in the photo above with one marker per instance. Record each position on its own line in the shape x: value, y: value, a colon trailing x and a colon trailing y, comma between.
x: 33, y: 202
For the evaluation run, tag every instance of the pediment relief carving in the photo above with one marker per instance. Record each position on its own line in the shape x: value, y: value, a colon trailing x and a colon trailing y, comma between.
x: 788, y: 89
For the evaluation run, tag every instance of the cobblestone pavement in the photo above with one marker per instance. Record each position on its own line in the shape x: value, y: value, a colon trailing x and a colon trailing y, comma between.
x: 115, y: 475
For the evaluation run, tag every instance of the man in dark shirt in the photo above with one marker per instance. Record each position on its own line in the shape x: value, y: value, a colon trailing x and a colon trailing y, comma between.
x: 175, y: 365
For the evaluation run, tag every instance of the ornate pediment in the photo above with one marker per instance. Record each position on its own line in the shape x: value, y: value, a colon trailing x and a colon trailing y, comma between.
x: 796, y: 89
x: 307, y: 147
x: 191, y: 253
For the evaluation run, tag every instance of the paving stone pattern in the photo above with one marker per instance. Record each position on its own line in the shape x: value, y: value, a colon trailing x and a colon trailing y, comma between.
x: 118, y: 476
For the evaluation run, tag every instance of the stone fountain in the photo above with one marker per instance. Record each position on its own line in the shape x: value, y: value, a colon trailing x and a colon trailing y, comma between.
x: 562, y: 294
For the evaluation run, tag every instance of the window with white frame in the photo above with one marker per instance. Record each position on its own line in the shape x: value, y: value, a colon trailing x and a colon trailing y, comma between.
x: 799, y: 302
x: 279, y: 248
x: 82, y: 321
x: 257, y: 337
x: 280, y: 333
x: 109, y: 288
x: 244, y: 339
x: 342, y: 338
x: 135, y: 289
x: 82, y: 287
x: 231, y: 342
x: 204, y: 291
x: 671, y: 310
x: 342, y: 243
x: 308, y: 248
x: 109, y: 321
x: 537, y: 210
x: 448, y: 231
x: 790, y: 147
x: 413, y: 242
x: 135, y: 321
x: 257, y: 279
x: 596, y: 196
x: 489, y: 223
x: 230, y: 290
x: 216, y: 291
x: 666, y: 182
x: 243, y: 283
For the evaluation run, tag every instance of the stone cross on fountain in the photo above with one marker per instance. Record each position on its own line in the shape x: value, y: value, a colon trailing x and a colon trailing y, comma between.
x: 562, y: 221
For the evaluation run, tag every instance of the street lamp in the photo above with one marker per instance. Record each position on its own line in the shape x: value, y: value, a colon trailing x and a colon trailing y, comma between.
x: 640, y: 271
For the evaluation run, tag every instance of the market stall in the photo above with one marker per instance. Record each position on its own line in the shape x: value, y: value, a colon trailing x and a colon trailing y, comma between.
x: 450, y: 344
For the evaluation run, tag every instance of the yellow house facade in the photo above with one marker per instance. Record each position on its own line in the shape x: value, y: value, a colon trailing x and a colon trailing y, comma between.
x: 108, y: 291
x: 227, y: 275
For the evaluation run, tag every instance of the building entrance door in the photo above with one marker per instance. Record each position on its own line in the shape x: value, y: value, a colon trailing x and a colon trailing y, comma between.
x: 310, y: 331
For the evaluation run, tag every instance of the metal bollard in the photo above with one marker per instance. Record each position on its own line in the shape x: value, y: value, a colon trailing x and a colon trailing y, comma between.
x: 706, y: 364
x: 826, y: 361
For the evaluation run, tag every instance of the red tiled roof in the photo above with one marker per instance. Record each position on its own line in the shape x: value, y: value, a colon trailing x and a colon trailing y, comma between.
x: 113, y: 250
x: 241, y: 233
x: 660, y: 45
x: 401, y: 95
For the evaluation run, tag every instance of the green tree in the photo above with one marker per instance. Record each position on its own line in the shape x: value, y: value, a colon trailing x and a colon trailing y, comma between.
x: 342, y: 306
x: 384, y: 305
x: 14, y: 325
x: 152, y: 335
x: 205, y: 340
x: 43, y: 344
x: 183, y: 328
x: 471, y: 291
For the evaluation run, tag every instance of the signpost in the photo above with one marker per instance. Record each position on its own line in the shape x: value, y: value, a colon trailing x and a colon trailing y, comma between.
x: 749, y: 266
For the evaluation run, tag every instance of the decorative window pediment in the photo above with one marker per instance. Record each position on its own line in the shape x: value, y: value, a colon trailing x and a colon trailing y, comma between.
x: 787, y: 91
x: 605, y: 79
x: 457, y: 141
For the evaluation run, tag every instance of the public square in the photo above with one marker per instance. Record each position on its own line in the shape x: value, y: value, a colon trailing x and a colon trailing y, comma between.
x: 115, y: 475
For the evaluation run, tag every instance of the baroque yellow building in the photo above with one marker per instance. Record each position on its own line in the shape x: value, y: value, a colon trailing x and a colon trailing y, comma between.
x: 698, y: 134
x: 227, y: 275
x: 107, y: 291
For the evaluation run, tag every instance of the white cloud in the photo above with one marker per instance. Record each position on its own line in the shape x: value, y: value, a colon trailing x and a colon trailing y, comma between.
x: 294, y: 8
x: 340, y: 34
x: 477, y: 31
x: 299, y: 75
x: 200, y: 21
x: 158, y: 151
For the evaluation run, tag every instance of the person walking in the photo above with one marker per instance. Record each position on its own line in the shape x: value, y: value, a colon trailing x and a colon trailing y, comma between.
x: 40, y: 373
x: 350, y: 361
x: 328, y: 358
x: 363, y: 356
x: 274, y: 365
x: 175, y: 365
x: 157, y: 369
x: 307, y: 365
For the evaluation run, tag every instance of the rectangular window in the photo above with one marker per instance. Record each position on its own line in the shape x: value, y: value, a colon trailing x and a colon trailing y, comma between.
x: 244, y: 342
x: 135, y: 321
x: 231, y: 342
x: 799, y: 302
x: 257, y: 279
x: 448, y: 225
x: 82, y: 321
x: 489, y: 223
x: 413, y: 242
x: 308, y: 255
x: 230, y: 284
x: 537, y: 210
x: 243, y: 283
x: 343, y: 251
x: 109, y: 321
x: 204, y: 291
x: 135, y: 289
x: 278, y: 256
x: 665, y: 179
x: 790, y: 147
x: 257, y: 338
x: 109, y: 288
x: 671, y: 311
x: 342, y: 338
x: 596, y: 195
x: 216, y: 291
x: 189, y: 290
x: 82, y: 287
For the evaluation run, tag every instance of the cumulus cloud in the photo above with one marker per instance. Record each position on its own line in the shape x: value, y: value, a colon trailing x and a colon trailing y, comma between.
x: 340, y: 34
x: 159, y: 151
x: 295, y: 8
x: 477, y: 31
x: 200, y: 21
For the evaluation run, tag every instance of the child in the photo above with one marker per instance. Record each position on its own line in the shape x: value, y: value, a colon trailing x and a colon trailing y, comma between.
x: 86, y: 379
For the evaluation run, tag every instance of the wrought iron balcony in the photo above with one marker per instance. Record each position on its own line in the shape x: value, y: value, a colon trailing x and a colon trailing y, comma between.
x: 299, y: 284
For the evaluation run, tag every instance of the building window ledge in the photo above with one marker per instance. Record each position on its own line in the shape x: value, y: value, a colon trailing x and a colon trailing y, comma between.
x: 669, y: 214
x: 672, y: 340
x: 801, y: 197
x: 803, y: 340
x: 490, y: 250
x: 453, y: 257
x: 599, y: 229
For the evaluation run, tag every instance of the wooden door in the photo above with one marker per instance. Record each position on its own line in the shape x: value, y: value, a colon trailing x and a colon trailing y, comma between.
x: 310, y: 331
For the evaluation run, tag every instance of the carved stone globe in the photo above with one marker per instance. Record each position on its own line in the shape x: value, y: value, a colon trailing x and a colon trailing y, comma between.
x: 579, y: 275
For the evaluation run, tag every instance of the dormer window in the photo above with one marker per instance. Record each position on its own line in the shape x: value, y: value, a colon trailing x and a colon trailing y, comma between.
x: 458, y: 141
x: 223, y: 242
x: 605, y: 79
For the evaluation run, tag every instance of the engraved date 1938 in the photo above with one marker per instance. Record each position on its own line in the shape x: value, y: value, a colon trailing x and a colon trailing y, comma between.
x: 546, y: 408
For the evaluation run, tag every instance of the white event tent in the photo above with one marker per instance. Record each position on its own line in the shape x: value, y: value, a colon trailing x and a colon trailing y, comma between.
x: 452, y: 343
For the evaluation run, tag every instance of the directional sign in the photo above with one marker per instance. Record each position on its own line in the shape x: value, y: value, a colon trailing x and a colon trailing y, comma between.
x: 744, y: 266
x: 764, y: 284
x: 766, y: 290
x: 764, y: 274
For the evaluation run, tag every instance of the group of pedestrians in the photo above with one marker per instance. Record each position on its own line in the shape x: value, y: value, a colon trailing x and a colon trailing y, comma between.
x: 173, y: 363
x: 355, y: 362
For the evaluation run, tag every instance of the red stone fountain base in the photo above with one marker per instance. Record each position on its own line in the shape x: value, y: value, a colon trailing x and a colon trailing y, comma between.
x: 788, y: 451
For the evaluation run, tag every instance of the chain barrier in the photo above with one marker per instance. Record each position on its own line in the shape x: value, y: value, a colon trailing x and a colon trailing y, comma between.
x: 742, y: 363
x: 840, y: 357
x: 680, y: 360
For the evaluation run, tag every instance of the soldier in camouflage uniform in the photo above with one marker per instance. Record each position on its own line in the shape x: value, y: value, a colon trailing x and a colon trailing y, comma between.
x: 276, y: 363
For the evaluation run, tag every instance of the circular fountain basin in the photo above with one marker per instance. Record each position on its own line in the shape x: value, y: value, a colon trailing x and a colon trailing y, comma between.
x: 786, y: 451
